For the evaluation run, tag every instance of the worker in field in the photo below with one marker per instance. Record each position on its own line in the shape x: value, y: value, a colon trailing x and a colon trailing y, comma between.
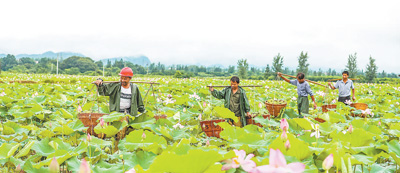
x: 235, y: 100
x: 124, y: 96
x: 345, y: 86
x: 303, y: 90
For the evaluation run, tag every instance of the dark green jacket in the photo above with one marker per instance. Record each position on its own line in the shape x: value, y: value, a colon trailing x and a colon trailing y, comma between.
x: 244, y: 102
x: 113, y: 90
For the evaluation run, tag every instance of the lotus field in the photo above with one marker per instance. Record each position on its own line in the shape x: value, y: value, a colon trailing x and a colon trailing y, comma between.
x: 40, y: 129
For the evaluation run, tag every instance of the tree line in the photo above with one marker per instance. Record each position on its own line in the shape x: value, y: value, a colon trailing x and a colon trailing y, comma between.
x: 76, y: 65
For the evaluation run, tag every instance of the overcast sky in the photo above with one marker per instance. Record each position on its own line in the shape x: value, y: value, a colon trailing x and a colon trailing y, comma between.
x: 208, y: 32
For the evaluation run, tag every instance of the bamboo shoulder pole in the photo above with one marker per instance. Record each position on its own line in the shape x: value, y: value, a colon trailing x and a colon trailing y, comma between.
x: 339, y: 79
x: 316, y: 83
x: 154, y: 83
x: 239, y: 85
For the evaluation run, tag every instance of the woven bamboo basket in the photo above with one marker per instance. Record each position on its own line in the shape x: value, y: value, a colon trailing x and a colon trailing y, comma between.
x: 325, y: 108
x: 157, y: 117
x: 90, y: 120
x: 210, y: 129
x: 359, y: 106
x: 275, y: 109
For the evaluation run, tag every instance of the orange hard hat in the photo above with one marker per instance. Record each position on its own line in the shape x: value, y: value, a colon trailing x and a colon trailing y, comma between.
x: 126, y: 71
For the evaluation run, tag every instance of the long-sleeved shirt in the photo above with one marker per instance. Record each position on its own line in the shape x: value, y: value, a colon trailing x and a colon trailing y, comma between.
x: 344, y: 88
x: 113, y: 90
x: 303, y: 89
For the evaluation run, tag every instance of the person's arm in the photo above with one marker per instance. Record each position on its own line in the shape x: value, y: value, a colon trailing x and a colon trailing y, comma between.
x: 313, y: 99
x: 309, y: 91
x: 352, y: 87
x: 330, y: 85
x: 102, y: 88
x: 217, y: 94
x: 280, y: 75
x: 139, y: 101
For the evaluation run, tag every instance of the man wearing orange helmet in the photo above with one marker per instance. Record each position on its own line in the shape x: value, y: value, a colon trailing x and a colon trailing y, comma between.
x: 124, y: 96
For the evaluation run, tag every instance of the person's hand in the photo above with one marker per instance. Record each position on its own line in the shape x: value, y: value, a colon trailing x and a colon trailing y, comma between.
x: 354, y: 98
x: 211, y: 89
x: 329, y: 83
x: 315, y: 105
x: 98, y: 82
x: 248, y: 114
x: 279, y: 74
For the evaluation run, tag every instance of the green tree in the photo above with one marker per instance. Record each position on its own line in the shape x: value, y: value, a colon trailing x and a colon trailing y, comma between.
x: 303, y: 65
x: 8, y: 62
x: 370, y: 73
x: 99, y: 64
x: 351, y: 66
x: 267, y: 72
x: 277, y: 63
x: 108, y: 64
x: 178, y: 74
x: 243, y: 66
x: 231, y: 69
x: 383, y: 74
x: 120, y: 64
x: 84, y: 64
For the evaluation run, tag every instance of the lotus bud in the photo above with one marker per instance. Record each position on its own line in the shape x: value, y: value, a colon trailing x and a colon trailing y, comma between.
x: 54, y: 167
x: 284, y: 124
x: 350, y: 129
x: 328, y: 162
x: 84, y: 168
x: 143, y: 136
x: 287, y: 144
x: 88, y: 137
x: 284, y: 136
x: 101, y: 122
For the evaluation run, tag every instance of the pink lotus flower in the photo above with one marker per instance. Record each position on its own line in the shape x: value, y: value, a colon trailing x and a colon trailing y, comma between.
x: 284, y: 124
x: 379, y: 123
x: 350, y: 129
x: 328, y: 162
x: 199, y: 117
x: 287, y: 144
x: 240, y: 161
x: 178, y: 125
x: 84, y: 168
x: 88, y: 137
x: 101, y: 122
x: 260, y: 105
x: 367, y: 111
x: 54, y: 167
x: 277, y: 164
x: 348, y: 102
x: 208, y: 143
x: 131, y: 171
x: 204, y: 104
x: 169, y: 96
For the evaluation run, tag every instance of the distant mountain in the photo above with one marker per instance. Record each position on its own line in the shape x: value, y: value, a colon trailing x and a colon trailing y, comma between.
x: 48, y: 54
x: 140, y: 60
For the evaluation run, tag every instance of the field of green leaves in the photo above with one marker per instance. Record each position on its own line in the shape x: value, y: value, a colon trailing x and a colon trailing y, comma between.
x: 39, y: 122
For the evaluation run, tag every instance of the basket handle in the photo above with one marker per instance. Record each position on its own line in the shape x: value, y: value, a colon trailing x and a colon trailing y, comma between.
x: 97, y: 98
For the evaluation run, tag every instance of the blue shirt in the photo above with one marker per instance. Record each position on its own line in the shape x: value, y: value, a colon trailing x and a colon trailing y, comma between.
x: 303, y: 89
x: 344, y: 88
